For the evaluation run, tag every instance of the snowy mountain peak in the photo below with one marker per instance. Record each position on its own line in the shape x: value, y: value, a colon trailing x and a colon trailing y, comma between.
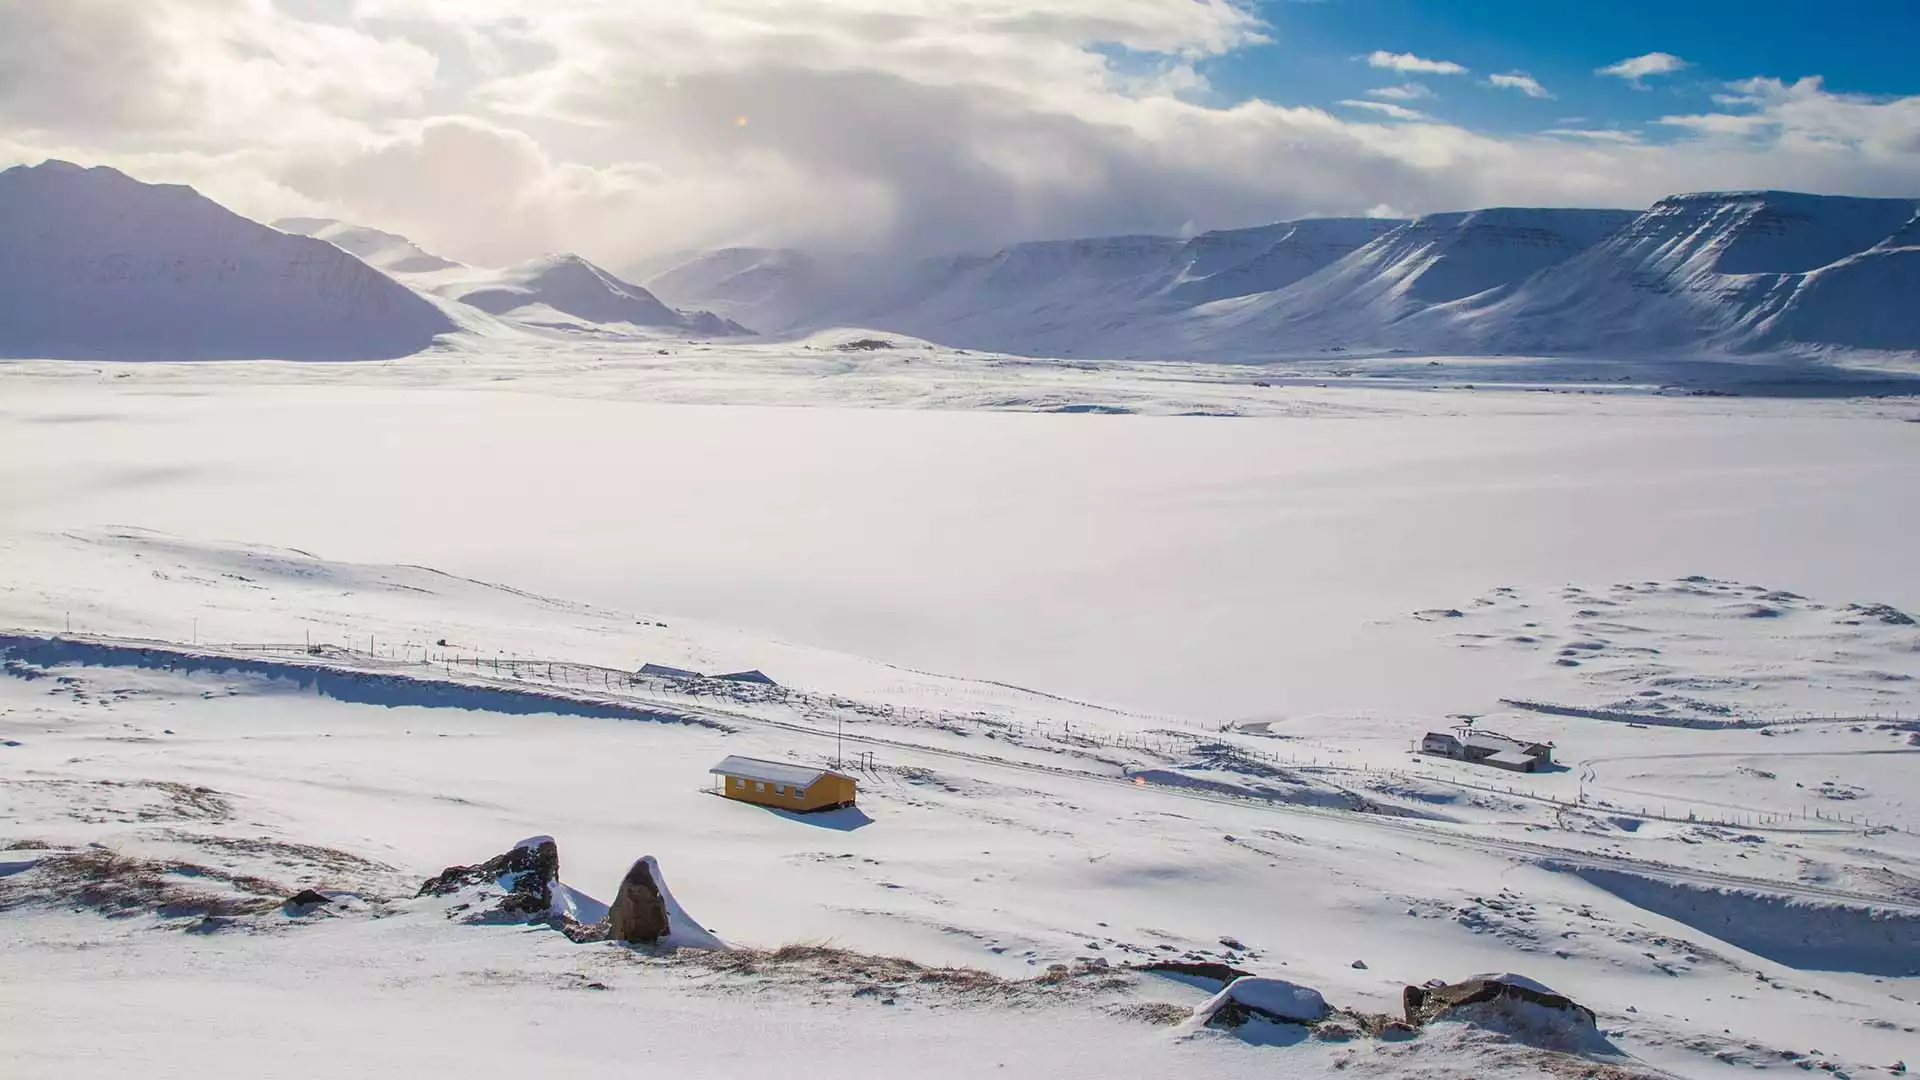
x: 94, y: 263
x: 388, y: 251
x: 1766, y: 232
x: 566, y: 289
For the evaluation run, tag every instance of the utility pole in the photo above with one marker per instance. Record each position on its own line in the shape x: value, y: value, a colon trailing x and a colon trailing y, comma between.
x: 839, y: 725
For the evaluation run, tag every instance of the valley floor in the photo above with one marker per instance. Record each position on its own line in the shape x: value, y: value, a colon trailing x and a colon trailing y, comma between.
x: 1116, y: 689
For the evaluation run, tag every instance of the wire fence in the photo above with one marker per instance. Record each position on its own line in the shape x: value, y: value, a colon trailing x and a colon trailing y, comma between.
x: 1214, y: 746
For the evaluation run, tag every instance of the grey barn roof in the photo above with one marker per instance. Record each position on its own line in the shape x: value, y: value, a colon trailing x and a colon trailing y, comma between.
x: 771, y: 772
x: 1487, y: 740
x: 1512, y: 757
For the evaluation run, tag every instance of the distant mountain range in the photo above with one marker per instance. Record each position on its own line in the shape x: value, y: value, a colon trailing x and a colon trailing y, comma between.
x: 94, y: 264
x: 553, y: 291
x: 1720, y: 273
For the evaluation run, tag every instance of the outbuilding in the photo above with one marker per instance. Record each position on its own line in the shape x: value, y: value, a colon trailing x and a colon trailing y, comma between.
x: 782, y: 784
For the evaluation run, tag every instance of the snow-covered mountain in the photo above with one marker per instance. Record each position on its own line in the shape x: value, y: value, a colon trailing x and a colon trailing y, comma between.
x: 1043, y: 296
x: 1409, y: 284
x: 553, y: 291
x: 570, y: 292
x: 95, y: 264
x: 386, y: 251
x: 770, y: 289
x: 1732, y: 273
x: 1737, y: 271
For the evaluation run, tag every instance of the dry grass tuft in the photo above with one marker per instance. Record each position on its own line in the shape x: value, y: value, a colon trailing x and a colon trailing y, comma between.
x: 117, y: 885
x: 1157, y: 1013
x: 867, y: 974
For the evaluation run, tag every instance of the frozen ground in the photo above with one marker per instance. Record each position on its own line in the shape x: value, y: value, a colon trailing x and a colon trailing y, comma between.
x: 1130, y: 686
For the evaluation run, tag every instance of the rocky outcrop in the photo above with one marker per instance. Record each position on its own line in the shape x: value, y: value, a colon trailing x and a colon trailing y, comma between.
x: 639, y: 912
x: 305, y: 901
x: 1425, y: 1004
x: 526, y: 874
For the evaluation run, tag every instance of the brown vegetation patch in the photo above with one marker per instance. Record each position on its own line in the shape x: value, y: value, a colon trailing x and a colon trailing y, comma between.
x: 1157, y: 1013
x: 304, y: 859
x: 886, y: 977
x: 118, y: 885
x: 131, y: 801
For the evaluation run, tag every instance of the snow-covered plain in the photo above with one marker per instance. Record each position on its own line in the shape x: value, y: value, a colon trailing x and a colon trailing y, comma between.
x: 1131, y: 685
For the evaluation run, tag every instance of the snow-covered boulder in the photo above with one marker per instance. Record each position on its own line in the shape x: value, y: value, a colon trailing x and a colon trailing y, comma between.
x: 1254, y: 995
x: 1522, y: 1008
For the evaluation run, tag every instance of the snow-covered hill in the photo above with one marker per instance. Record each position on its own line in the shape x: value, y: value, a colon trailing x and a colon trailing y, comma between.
x: 567, y: 292
x: 386, y: 251
x: 95, y: 264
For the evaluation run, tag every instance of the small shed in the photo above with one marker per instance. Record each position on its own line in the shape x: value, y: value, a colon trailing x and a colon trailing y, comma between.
x: 753, y: 676
x: 782, y: 784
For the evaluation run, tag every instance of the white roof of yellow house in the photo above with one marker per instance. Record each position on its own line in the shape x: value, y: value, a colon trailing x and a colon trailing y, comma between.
x: 773, y: 772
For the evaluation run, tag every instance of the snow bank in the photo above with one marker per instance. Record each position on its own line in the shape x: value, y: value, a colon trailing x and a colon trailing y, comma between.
x: 686, y: 933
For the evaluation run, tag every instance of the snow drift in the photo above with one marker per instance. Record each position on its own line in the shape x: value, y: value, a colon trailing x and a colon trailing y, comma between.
x: 96, y: 265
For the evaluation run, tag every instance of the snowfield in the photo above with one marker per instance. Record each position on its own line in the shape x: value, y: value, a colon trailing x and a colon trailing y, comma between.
x: 1132, y: 660
x: 1119, y: 690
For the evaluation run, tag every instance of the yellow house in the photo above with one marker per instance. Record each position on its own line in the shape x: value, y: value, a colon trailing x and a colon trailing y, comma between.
x: 787, y: 786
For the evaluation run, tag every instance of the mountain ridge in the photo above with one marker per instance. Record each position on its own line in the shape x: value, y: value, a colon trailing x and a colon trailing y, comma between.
x: 95, y: 264
x: 1735, y: 272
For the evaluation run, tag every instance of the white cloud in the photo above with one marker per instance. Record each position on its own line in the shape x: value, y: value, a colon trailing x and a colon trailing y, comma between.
x: 1521, y: 81
x: 1805, y: 119
x: 1635, y: 68
x: 1610, y: 135
x: 1386, y: 108
x: 1411, y: 64
x: 492, y: 130
x: 1404, y: 92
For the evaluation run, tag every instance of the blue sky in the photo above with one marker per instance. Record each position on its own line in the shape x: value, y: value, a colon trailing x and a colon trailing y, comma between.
x: 1315, y: 57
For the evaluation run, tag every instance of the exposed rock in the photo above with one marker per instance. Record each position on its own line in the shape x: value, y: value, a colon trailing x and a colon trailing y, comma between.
x: 526, y: 874
x: 1207, y: 969
x: 639, y: 912
x: 307, y: 898
x: 1426, y: 1004
x: 1333, y: 1031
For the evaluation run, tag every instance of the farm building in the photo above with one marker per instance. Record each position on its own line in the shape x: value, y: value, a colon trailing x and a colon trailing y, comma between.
x: 1488, y: 748
x: 782, y: 784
